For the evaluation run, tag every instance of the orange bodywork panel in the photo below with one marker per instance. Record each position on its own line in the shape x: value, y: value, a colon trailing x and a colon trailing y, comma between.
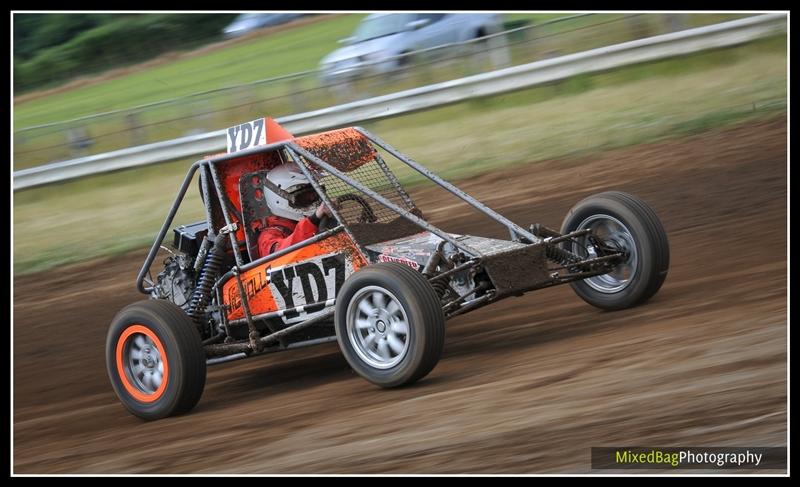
x: 309, y: 275
x: 345, y: 149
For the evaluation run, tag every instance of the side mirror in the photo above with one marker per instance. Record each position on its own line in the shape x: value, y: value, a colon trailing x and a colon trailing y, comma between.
x: 417, y: 24
x: 346, y: 40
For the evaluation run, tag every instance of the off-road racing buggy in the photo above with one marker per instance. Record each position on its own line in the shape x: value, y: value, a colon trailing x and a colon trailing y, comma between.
x: 377, y: 276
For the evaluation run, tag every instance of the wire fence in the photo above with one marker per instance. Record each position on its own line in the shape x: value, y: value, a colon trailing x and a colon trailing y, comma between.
x: 300, y: 92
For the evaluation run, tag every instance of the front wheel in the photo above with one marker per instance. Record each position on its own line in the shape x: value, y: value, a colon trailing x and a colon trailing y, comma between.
x: 626, y: 223
x: 389, y: 324
x: 155, y: 359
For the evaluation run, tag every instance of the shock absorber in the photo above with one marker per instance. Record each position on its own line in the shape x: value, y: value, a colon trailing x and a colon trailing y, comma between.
x: 202, y: 292
x: 562, y: 256
x: 440, y: 286
x: 552, y: 251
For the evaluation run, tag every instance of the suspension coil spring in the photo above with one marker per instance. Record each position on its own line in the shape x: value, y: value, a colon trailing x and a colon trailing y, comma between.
x: 202, y: 293
x: 440, y: 286
x: 562, y: 256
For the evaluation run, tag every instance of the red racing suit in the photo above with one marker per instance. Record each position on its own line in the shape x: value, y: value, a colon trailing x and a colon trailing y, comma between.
x: 281, y: 233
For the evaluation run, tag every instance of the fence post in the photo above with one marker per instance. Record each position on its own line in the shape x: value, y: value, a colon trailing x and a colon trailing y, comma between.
x: 134, y: 126
x: 79, y: 140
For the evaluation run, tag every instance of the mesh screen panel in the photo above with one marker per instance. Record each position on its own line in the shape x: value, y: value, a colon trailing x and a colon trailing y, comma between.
x: 369, y: 220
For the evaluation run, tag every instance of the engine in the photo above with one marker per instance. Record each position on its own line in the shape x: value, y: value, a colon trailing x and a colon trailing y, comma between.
x: 176, y: 282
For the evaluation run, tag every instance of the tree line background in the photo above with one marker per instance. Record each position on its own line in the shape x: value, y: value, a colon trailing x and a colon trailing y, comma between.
x: 50, y: 49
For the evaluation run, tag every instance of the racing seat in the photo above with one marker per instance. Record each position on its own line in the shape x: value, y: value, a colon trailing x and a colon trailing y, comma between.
x: 254, y: 209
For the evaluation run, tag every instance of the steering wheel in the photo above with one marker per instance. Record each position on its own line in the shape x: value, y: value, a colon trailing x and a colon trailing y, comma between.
x: 367, y: 214
x: 326, y: 223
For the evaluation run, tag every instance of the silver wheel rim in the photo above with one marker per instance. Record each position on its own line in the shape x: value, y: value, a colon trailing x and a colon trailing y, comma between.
x: 613, y: 233
x: 377, y: 327
x: 142, y: 363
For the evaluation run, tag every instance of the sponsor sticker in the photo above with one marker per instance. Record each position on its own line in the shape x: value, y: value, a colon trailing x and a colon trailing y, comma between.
x: 399, y: 260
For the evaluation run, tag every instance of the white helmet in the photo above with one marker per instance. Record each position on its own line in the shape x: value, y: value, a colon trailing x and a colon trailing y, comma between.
x: 289, y: 193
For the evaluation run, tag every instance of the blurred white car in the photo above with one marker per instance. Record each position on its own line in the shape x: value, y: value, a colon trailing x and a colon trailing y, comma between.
x: 390, y: 36
x: 249, y: 22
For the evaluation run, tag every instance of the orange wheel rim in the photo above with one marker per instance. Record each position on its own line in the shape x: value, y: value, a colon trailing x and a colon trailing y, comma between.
x: 142, y: 363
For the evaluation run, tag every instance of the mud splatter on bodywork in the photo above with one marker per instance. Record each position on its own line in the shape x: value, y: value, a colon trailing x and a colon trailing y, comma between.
x: 344, y: 149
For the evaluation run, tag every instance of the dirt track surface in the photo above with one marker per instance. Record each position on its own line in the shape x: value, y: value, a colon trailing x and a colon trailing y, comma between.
x: 526, y: 385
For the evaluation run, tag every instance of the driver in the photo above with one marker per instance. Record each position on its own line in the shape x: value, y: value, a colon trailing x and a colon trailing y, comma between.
x: 295, y: 206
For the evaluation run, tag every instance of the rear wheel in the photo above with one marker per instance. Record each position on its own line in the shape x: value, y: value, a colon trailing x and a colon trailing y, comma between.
x: 155, y: 359
x: 624, y: 222
x: 389, y: 324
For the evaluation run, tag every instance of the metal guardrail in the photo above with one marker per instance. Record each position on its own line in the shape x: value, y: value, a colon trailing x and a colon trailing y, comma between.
x: 499, y: 81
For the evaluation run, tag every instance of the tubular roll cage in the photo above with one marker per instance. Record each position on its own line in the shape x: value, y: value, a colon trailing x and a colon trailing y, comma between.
x: 536, y: 235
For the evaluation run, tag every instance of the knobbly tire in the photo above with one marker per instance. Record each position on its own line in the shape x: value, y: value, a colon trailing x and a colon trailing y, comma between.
x: 624, y: 221
x: 389, y: 324
x: 155, y: 359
